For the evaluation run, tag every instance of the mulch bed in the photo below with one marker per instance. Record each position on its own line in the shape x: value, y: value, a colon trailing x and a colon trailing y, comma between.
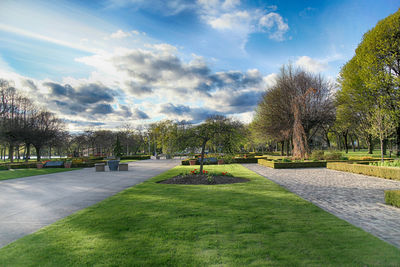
x: 203, y: 179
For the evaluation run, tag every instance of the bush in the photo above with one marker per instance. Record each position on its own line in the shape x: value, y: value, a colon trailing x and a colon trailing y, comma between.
x: 4, y: 168
x: 378, y: 171
x: 291, y: 165
x: 317, y: 155
x: 392, y: 197
x: 25, y: 165
x: 136, y: 157
x: 395, y: 163
x: 333, y: 156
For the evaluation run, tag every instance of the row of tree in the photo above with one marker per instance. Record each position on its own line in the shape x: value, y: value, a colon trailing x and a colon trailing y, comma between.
x: 368, y: 100
x: 22, y: 123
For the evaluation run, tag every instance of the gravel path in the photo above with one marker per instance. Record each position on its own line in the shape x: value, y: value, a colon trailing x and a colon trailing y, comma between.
x: 356, y: 198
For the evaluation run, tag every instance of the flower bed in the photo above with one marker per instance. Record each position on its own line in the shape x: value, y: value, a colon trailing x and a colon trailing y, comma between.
x: 194, y: 177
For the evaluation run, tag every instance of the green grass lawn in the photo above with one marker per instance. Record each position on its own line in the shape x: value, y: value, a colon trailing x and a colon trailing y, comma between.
x: 19, y: 173
x: 249, y: 224
x: 127, y: 160
x: 364, y: 153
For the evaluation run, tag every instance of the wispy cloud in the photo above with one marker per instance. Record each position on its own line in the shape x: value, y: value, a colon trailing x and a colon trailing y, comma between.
x: 25, y: 33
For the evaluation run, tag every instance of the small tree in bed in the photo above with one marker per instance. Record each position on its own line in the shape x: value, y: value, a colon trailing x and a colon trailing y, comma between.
x: 216, y: 127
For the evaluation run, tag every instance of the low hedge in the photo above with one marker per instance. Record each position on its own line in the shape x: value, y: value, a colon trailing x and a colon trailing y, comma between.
x: 24, y: 165
x: 83, y: 164
x: 392, y: 197
x: 291, y: 165
x: 392, y: 173
x: 136, y: 157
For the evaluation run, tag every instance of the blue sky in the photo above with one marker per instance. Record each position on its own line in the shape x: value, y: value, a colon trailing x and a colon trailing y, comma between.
x: 111, y: 62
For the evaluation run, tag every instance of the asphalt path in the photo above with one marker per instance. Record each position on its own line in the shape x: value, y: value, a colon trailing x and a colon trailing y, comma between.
x: 30, y: 203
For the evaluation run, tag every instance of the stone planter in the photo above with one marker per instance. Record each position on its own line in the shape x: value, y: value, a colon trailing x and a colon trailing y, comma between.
x: 113, y: 165
x: 99, y: 167
x: 123, y: 167
x: 220, y: 161
x: 67, y: 165
x: 39, y: 165
x: 192, y: 162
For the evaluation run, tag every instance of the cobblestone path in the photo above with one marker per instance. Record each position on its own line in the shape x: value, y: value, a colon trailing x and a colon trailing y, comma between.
x: 356, y: 198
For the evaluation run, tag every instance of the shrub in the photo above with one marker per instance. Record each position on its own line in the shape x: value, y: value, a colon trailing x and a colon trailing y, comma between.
x: 395, y: 163
x: 392, y: 197
x: 378, y: 171
x: 4, y: 167
x: 136, y: 157
x: 317, y: 155
x: 25, y: 165
x: 333, y: 155
x: 291, y: 165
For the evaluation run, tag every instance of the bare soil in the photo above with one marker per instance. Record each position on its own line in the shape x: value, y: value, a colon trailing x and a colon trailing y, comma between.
x: 204, y: 179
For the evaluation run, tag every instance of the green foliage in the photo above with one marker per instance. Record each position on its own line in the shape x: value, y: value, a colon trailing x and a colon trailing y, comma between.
x: 392, y: 197
x: 395, y: 163
x: 258, y: 223
x: 118, y: 148
x: 378, y: 171
x: 317, y: 155
x: 334, y: 155
x: 291, y: 165
x: 135, y: 157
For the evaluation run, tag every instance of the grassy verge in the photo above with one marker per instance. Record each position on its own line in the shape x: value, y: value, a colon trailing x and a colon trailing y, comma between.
x: 127, y: 160
x: 247, y: 224
x: 19, y: 173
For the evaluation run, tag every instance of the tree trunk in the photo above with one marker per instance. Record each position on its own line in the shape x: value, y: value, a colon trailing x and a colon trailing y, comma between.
x: 385, y: 141
x: 287, y: 147
x: 11, y: 152
x: 339, y: 142
x: 49, y: 152
x: 370, y: 144
x: 346, y: 146
x: 358, y: 144
x: 398, y: 140
x: 352, y: 143
x: 283, y: 148
x: 382, y: 145
x: 328, y: 143
x: 38, y: 157
x: 203, y: 148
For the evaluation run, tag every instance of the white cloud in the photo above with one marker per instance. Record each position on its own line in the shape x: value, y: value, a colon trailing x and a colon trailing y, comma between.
x: 120, y: 34
x: 229, y: 17
x: 275, y: 25
x: 310, y: 64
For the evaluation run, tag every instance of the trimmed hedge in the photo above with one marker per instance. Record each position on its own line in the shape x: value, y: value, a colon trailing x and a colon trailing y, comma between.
x: 392, y: 173
x: 137, y: 157
x: 24, y: 165
x: 291, y: 165
x: 392, y: 197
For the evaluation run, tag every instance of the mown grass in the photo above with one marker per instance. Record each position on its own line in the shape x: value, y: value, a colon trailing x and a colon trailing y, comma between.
x: 257, y: 223
x: 19, y: 173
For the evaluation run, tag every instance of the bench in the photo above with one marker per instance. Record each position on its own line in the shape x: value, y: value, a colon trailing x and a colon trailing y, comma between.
x: 100, y: 167
x: 54, y: 164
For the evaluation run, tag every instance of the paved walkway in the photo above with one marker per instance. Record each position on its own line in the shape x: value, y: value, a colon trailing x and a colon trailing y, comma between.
x: 30, y: 203
x: 356, y: 198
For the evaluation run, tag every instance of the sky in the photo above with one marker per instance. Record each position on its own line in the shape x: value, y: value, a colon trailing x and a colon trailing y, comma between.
x: 108, y: 63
